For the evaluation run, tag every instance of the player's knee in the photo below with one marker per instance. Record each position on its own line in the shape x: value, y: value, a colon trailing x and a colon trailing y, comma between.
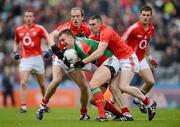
x: 113, y: 88
x: 151, y: 82
x: 83, y: 88
x: 92, y: 101
x: 56, y: 81
x: 94, y: 84
x: 123, y: 88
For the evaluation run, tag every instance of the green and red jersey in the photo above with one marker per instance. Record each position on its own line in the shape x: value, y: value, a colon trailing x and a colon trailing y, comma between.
x: 85, y: 47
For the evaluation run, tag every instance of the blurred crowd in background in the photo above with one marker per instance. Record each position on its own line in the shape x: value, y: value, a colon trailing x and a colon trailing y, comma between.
x: 120, y: 14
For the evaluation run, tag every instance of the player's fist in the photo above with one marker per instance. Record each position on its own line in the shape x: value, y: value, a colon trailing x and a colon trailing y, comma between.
x: 16, y: 55
x: 56, y: 50
x: 154, y: 63
x: 66, y: 62
x: 48, y: 54
x: 79, y: 64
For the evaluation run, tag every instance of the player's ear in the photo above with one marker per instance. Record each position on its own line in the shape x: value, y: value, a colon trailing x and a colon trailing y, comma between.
x: 82, y: 18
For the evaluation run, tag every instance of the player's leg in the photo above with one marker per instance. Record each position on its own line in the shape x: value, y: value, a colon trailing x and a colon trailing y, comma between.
x: 24, y: 76
x: 146, y: 74
x: 41, y: 81
x: 148, y: 77
x: 103, y: 89
x: 119, y: 99
x: 58, y: 74
x: 109, y: 107
x: 79, y: 79
x: 125, y: 78
x: 100, y: 76
x: 11, y: 94
x: 5, y: 98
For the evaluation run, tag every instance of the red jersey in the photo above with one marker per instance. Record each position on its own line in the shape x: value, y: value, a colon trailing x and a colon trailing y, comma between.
x: 115, y: 44
x: 84, y: 29
x: 30, y: 39
x: 137, y: 37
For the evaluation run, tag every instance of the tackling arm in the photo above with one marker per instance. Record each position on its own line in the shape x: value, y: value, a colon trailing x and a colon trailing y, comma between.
x: 97, y: 53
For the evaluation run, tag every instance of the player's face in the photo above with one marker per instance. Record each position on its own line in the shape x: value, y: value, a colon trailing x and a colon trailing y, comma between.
x: 94, y: 25
x: 28, y: 18
x: 145, y: 17
x: 76, y: 18
x: 66, y: 40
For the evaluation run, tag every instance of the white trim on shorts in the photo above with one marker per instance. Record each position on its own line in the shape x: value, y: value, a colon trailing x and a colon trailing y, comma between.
x: 88, y: 67
x: 113, y: 62
x: 33, y: 63
x: 130, y: 63
x: 143, y: 64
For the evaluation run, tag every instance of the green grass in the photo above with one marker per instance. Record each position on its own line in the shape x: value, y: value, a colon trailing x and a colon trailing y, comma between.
x: 70, y: 118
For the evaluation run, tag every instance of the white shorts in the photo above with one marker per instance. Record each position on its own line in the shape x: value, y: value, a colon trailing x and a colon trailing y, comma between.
x: 130, y: 63
x: 143, y: 64
x: 88, y: 67
x: 34, y: 64
x: 113, y: 62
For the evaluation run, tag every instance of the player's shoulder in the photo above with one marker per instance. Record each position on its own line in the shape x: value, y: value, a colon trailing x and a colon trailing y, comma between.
x: 39, y: 26
x: 151, y: 26
x: 63, y: 26
x: 20, y: 28
x: 105, y: 28
x: 84, y: 24
x: 134, y: 26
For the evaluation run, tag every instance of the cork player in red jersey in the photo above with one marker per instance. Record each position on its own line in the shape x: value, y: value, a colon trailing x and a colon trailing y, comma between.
x: 138, y: 36
x: 128, y: 62
x: 29, y: 36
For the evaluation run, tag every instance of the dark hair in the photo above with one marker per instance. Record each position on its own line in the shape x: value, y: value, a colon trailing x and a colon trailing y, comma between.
x: 146, y: 8
x: 29, y: 10
x: 98, y: 17
x: 66, y: 31
x: 78, y: 8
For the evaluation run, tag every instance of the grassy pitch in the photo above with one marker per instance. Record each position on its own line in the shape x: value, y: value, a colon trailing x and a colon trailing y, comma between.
x: 11, y: 117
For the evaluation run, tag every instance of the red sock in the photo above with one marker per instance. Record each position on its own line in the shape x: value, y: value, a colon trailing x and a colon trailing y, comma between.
x: 99, y: 99
x: 124, y: 110
x: 23, y: 105
x: 83, y: 111
x: 44, y: 102
x: 146, y: 101
x: 110, y: 107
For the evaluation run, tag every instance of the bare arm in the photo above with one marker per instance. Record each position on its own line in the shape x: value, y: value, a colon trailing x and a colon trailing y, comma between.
x: 52, y: 37
x: 148, y: 54
x: 15, y: 46
x: 97, y: 53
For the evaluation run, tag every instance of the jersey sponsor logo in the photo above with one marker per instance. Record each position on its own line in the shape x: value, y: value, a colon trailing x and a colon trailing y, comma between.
x: 27, y: 41
x: 143, y: 44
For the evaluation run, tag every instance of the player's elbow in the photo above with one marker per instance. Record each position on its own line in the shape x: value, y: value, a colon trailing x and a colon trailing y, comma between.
x: 100, y: 53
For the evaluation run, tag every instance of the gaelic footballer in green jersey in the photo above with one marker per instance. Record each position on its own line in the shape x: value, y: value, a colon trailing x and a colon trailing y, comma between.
x: 85, y: 47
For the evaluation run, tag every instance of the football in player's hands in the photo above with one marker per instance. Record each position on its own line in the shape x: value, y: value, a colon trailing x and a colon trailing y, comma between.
x: 66, y: 62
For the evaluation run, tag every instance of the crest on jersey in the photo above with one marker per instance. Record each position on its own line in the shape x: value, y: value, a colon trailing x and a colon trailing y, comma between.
x: 34, y: 33
x: 139, y: 36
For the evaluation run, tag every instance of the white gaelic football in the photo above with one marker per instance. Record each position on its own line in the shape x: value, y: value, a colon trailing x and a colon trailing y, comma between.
x: 71, y: 55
